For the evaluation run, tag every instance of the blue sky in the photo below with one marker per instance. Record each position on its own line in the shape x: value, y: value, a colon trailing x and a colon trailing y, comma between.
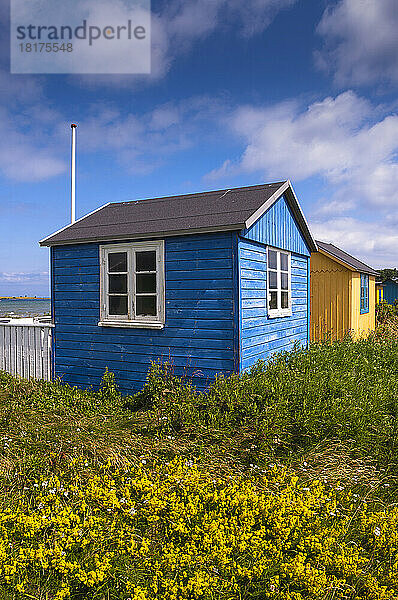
x: 240, y: 93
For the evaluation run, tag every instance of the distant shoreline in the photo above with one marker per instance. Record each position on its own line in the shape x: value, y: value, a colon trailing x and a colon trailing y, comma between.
x: 22, y: 298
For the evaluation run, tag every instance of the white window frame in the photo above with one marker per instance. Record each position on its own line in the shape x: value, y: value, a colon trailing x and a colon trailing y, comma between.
x: 280, y: 312
x: 131, y: 319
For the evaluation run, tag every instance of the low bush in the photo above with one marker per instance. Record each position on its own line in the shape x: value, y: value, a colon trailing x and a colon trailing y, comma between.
x: 385, y: 311
x: 387, y: 321
x: 346, y: 391
x: 60, y: 397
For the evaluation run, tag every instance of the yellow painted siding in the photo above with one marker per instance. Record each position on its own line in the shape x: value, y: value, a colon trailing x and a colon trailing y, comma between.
x: 330, y: 298
x: 362, y: 324
x: 336, y: 300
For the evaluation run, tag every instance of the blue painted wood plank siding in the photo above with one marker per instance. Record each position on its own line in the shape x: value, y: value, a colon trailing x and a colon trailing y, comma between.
x: 278, y: 227
x: 200, y: 309
x: 390, y: 292
x: 261, y: 336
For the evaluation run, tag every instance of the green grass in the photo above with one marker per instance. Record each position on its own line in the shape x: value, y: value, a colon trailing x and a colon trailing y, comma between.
x: 333, y: 407
x: 342, y: 394
x: 328, y: 413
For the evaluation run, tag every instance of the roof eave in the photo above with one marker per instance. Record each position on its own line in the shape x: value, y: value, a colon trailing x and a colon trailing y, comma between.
x: 48, y: 238
x: 155, y: 235
x: 337, y: 259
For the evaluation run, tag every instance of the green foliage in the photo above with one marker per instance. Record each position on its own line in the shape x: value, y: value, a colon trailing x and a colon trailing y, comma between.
x: 346, y: 391
x: 387, y: 273
x: 60, y: 397
x: 327, y: 413
x: 384, y: 312
x: 108, y: 393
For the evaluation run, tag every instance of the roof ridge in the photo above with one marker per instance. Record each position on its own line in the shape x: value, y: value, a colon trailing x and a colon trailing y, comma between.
x: 340, y: 250
x: 211, y: 211
x: 147, y: 220
x: 206, y: 193
x: 358, y: 260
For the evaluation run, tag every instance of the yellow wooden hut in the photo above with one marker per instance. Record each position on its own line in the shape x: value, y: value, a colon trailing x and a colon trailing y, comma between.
x: 342, y: 294
x: 379, y: 292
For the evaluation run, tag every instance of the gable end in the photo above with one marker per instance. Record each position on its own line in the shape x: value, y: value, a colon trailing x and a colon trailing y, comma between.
x: 278, y: 227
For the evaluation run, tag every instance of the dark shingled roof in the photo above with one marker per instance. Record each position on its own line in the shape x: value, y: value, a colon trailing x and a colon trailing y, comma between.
x: 349, y: 260
x: 221, y: 210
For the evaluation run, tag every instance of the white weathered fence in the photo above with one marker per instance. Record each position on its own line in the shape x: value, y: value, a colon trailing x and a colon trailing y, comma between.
x: 25, y: 349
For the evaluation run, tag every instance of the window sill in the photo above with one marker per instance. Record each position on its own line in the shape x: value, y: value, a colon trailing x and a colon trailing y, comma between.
x: 276, y: 314
x: 132, y: 324
x: 364, y: 312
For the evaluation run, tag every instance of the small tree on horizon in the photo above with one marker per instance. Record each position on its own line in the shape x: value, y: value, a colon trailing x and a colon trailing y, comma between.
x: 388, y: 273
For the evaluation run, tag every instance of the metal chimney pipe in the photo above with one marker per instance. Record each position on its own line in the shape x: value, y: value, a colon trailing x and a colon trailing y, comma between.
x: 73, y: 174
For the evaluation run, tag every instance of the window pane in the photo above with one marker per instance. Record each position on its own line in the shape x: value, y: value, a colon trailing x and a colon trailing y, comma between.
x: 272, y: 259
x: 117, y: 261
x: 364, y: 293
x: 146, y: 284
x: 273, y: 302
x: 146, y: 306
x: 145, y: 261
x: 284, y: 262
x: 284, y: 281
x: 285, y: 300
x: 118, y: 305
x: 273, y: 280
x: 117, y: 284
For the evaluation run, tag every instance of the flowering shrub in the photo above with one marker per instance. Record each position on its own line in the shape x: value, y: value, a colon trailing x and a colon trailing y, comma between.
x: 385, y: 311
x: 174, y: 532
x: 71, y: 528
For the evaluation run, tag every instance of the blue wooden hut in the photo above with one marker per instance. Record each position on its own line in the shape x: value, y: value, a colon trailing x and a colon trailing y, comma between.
x: 211, y: 281
x: 390, y: 290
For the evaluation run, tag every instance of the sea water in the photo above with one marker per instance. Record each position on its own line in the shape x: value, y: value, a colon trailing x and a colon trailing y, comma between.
x: 24, y: 307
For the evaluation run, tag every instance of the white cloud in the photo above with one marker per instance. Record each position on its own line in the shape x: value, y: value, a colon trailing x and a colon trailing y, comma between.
x: 27, y: 150
x: 94, y: 53
x: 34, y: 145
x: 20, y: 277
x: 182, y: 23
x: 344, y: 140
x: 193, y: 19
x: 19, y: 89
x: 22, y: 161
x: 179, y: 25
x: 142, y: 142
x: 25, y: 153
x: 344, y: 144
x: 374, y: 244
x: 360, y: 41
x: 227, y: 169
